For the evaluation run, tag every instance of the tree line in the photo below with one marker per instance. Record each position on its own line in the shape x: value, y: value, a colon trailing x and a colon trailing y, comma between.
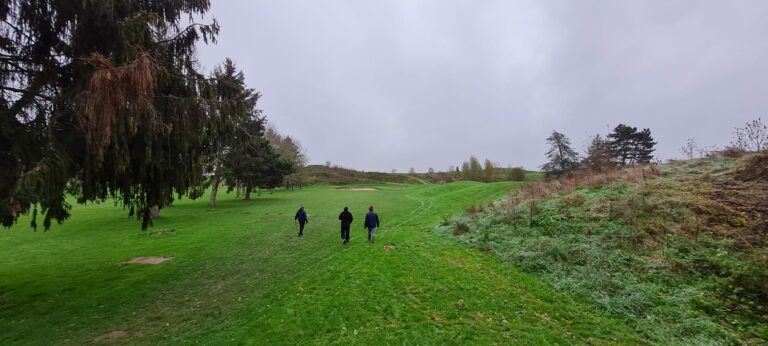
x: 104, y: 100
x: 489, y: 172
x: 625, y: 146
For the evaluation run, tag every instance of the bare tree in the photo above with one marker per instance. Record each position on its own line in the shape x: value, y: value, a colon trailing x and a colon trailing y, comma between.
x: 690, y: 149
x: 752, y: 137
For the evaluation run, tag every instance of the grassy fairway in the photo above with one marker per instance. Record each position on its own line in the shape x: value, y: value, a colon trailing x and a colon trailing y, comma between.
x: 240, y: 273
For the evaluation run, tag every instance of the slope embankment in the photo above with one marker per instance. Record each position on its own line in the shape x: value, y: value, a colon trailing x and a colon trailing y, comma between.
x: 677, y: 250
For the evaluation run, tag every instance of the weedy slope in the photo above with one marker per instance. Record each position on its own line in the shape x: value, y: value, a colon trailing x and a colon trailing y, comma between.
x: 677, y: 251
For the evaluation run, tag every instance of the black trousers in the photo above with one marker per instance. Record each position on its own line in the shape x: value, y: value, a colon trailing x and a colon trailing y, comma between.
x: 345, y: 232
x: 301, y: 227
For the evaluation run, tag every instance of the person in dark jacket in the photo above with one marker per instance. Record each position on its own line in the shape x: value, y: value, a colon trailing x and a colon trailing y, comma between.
x: 371, y: 224
x: 346, y: 220
x: 301, y: 218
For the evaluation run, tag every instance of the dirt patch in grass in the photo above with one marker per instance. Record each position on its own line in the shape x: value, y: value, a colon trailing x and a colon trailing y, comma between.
x: 116, y: 336
x: 158, y: 233
x: 360, y: 189
x: 111, y: 336
x: 153, y: 260
x: 389, y: 247
x: 457, y: 262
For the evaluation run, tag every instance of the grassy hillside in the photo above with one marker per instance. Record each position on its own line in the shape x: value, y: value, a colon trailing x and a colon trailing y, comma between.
x: 317, y: 174
x: 678, y: 251
x: 240, y: 275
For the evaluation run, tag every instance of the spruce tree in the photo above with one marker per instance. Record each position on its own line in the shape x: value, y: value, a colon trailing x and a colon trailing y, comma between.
x: 235, y: 104
x: 252, y: 162
x: 101, y: 99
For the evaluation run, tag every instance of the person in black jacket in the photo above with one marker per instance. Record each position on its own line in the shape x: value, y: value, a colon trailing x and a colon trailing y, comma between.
x: 301, y: 218
x: 371, y: 223
x: 346, y: 220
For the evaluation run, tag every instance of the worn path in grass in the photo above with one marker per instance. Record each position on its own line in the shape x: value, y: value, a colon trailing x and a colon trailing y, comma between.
x: 240, y: 274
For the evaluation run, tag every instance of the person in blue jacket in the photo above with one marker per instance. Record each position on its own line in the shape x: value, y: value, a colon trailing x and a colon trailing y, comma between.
x: 301, y: 218
x: 371, y: 224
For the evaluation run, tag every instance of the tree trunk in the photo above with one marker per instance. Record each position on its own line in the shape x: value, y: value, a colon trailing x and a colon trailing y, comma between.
x: 214, y: 191
x: 237, y: 190
x: 247, y: 193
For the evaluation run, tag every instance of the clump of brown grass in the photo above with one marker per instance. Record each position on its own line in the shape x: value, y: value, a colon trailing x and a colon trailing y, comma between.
x: 475, y: 209
x: 752, y: 168
x: 730, y: 151
x: 581, y: 179
x: 460, y: 228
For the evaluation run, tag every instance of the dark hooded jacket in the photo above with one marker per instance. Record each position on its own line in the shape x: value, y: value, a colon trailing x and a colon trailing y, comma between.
x: 301, y: 216
x: 346, y: 217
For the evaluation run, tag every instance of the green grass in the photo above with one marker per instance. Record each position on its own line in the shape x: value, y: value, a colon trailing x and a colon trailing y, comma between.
x: 241, y: 275
x: 630, y: 249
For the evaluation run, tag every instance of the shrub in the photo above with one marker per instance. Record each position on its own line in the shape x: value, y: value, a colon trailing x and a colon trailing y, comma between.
x: 730, y: 151
x: 460, y: 228
x: 517, y: 174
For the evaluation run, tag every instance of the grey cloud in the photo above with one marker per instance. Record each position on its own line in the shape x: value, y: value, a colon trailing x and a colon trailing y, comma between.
x: 377, y: 85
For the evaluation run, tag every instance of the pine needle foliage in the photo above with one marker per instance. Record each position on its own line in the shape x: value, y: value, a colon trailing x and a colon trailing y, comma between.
x: 101, y: 99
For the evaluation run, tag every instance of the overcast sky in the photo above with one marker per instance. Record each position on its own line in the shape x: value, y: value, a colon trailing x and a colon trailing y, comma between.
x: 381, y: 85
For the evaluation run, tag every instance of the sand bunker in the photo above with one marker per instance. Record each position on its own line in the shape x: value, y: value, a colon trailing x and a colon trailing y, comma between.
x: 369, y: 189
x: 154, y: 260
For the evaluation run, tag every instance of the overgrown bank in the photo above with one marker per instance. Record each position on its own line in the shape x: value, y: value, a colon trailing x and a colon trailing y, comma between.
x: 678, y: 250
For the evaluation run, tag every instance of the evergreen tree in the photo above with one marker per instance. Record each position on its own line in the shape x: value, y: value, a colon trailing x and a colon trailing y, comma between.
x: 103, y: 99
x: 631, y: 147
x: 622, y: 143
x: 644, y: 147
x: 562, y: 158
x: 252, y: 162
x: 234, y: 106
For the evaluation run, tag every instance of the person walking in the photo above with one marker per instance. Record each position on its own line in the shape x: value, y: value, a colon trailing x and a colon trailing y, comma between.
x: 371, y: 224
x: 346, y: 220
x: 301, y: 218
